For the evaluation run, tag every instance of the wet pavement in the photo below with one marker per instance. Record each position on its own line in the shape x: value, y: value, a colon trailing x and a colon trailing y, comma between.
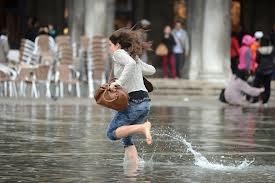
x: 65, y: 141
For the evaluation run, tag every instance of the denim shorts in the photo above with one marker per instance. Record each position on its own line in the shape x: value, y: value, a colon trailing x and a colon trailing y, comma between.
x: 134, y: 114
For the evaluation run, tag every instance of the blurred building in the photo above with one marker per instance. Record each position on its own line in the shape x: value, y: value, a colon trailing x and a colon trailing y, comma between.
x: 207, y: 21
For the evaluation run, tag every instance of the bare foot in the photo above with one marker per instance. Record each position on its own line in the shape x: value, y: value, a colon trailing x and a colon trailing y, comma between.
x: 147, y: 132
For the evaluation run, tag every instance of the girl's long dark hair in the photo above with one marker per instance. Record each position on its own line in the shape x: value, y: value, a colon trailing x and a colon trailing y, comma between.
x: 131, y: 41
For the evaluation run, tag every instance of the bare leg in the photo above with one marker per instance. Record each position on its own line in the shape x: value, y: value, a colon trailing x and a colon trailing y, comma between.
x: 130, y: 169
x: 131, y: 154
x: 125, y: 131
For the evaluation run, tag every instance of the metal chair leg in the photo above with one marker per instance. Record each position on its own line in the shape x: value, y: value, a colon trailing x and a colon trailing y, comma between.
x: 10, y: 89
x: 70, y: 88
x: 48, y: 90
x: 90, y: 84
x: 14, y: 88
x: 77, y: 89
x: 34, y: 90
x: 61, y: 89
x: 5, y: 88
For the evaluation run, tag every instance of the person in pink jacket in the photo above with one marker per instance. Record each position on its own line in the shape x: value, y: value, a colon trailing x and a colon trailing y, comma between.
x: 246, y: 53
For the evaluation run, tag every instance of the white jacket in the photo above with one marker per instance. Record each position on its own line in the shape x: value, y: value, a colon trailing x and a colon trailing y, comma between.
x: 129, y: 72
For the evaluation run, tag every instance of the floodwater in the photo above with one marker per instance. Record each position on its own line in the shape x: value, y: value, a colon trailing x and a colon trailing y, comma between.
x: 67, y: 143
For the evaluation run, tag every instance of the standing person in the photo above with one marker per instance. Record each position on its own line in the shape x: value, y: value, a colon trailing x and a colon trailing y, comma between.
x: 254, y: 47
x: 145, y: 25
x: 126, y: 47
x: 32, y: 29
x: 4, y: 47
x: 169, y: 41
x: 234, y: 52
x: 272, y: 37
x: 52, y: 31
x: 265, y: 55
x: 246, y: 54
x: 181, y: 49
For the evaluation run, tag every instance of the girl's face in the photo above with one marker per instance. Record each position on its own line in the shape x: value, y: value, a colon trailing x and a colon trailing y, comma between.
x: 167, y: 30
x: 113, y: 47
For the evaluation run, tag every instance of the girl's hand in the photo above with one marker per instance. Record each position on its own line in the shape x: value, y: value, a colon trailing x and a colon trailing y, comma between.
x: 113, y: 87
x: 262, y: 89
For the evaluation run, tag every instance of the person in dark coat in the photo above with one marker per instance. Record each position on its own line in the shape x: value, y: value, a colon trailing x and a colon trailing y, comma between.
x: 32, y: 29
x: 265, y: 56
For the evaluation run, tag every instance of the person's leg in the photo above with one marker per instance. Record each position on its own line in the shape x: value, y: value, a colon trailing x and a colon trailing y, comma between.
x: 127, y: 141
x: 125, y: 123
x: 130, y: 150
x: 266, y: 93
x: 131, y: 154
x: 164, y: 66
x: 256, y: 83
x: 172, y: 65
x: 182, y: 63
x: 125, y: 131
x: 234, y: 65
x: 177, y: 64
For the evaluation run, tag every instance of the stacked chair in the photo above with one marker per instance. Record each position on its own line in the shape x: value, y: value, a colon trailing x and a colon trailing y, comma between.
x: 97, y: 57
x: 45, y: 47
x: 66, y: 73
x: 48, y: 65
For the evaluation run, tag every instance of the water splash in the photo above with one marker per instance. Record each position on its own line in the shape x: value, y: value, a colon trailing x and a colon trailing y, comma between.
x: 200, y: 160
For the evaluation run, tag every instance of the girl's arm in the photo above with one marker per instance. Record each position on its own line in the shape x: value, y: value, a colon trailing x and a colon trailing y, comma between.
x: 123, y: 58
x: 147, y: 69
x: 246, y: 88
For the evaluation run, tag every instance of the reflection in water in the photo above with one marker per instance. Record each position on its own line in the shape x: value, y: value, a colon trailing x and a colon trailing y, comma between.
x: 131, y: 170
x: 67, y: 143
x: 244, y: 122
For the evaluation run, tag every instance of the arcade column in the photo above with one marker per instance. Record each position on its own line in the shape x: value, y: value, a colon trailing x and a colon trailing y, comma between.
x: 210, y: 39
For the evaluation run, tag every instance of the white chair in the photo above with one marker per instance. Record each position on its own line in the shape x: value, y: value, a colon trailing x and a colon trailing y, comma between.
x: 43, y: 76
x: 46, y: 48
x: 25, y: 75
x: 11, y: 73
x: 97, y: 57
x: 26, y: 51
x: 66, y: 74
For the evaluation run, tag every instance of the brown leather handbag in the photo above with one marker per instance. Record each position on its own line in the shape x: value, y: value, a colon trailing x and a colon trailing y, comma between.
x: 117, y: 100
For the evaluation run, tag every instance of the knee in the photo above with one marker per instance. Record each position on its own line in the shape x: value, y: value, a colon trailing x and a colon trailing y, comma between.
x: 111, y: 134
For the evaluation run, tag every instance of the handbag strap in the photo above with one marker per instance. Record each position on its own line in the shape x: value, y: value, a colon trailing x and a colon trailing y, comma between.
x: 111, y: 72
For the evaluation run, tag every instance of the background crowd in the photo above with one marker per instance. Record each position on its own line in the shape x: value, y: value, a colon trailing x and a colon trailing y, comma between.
x: 252, y: 56
x: 174, y: 49
x: 252, y: 65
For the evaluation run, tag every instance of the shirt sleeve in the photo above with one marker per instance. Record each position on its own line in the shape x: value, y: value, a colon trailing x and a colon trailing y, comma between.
x: 123, y: 58
x: 248, y: 59
x: 147, y: 69
x: 246, y: 88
